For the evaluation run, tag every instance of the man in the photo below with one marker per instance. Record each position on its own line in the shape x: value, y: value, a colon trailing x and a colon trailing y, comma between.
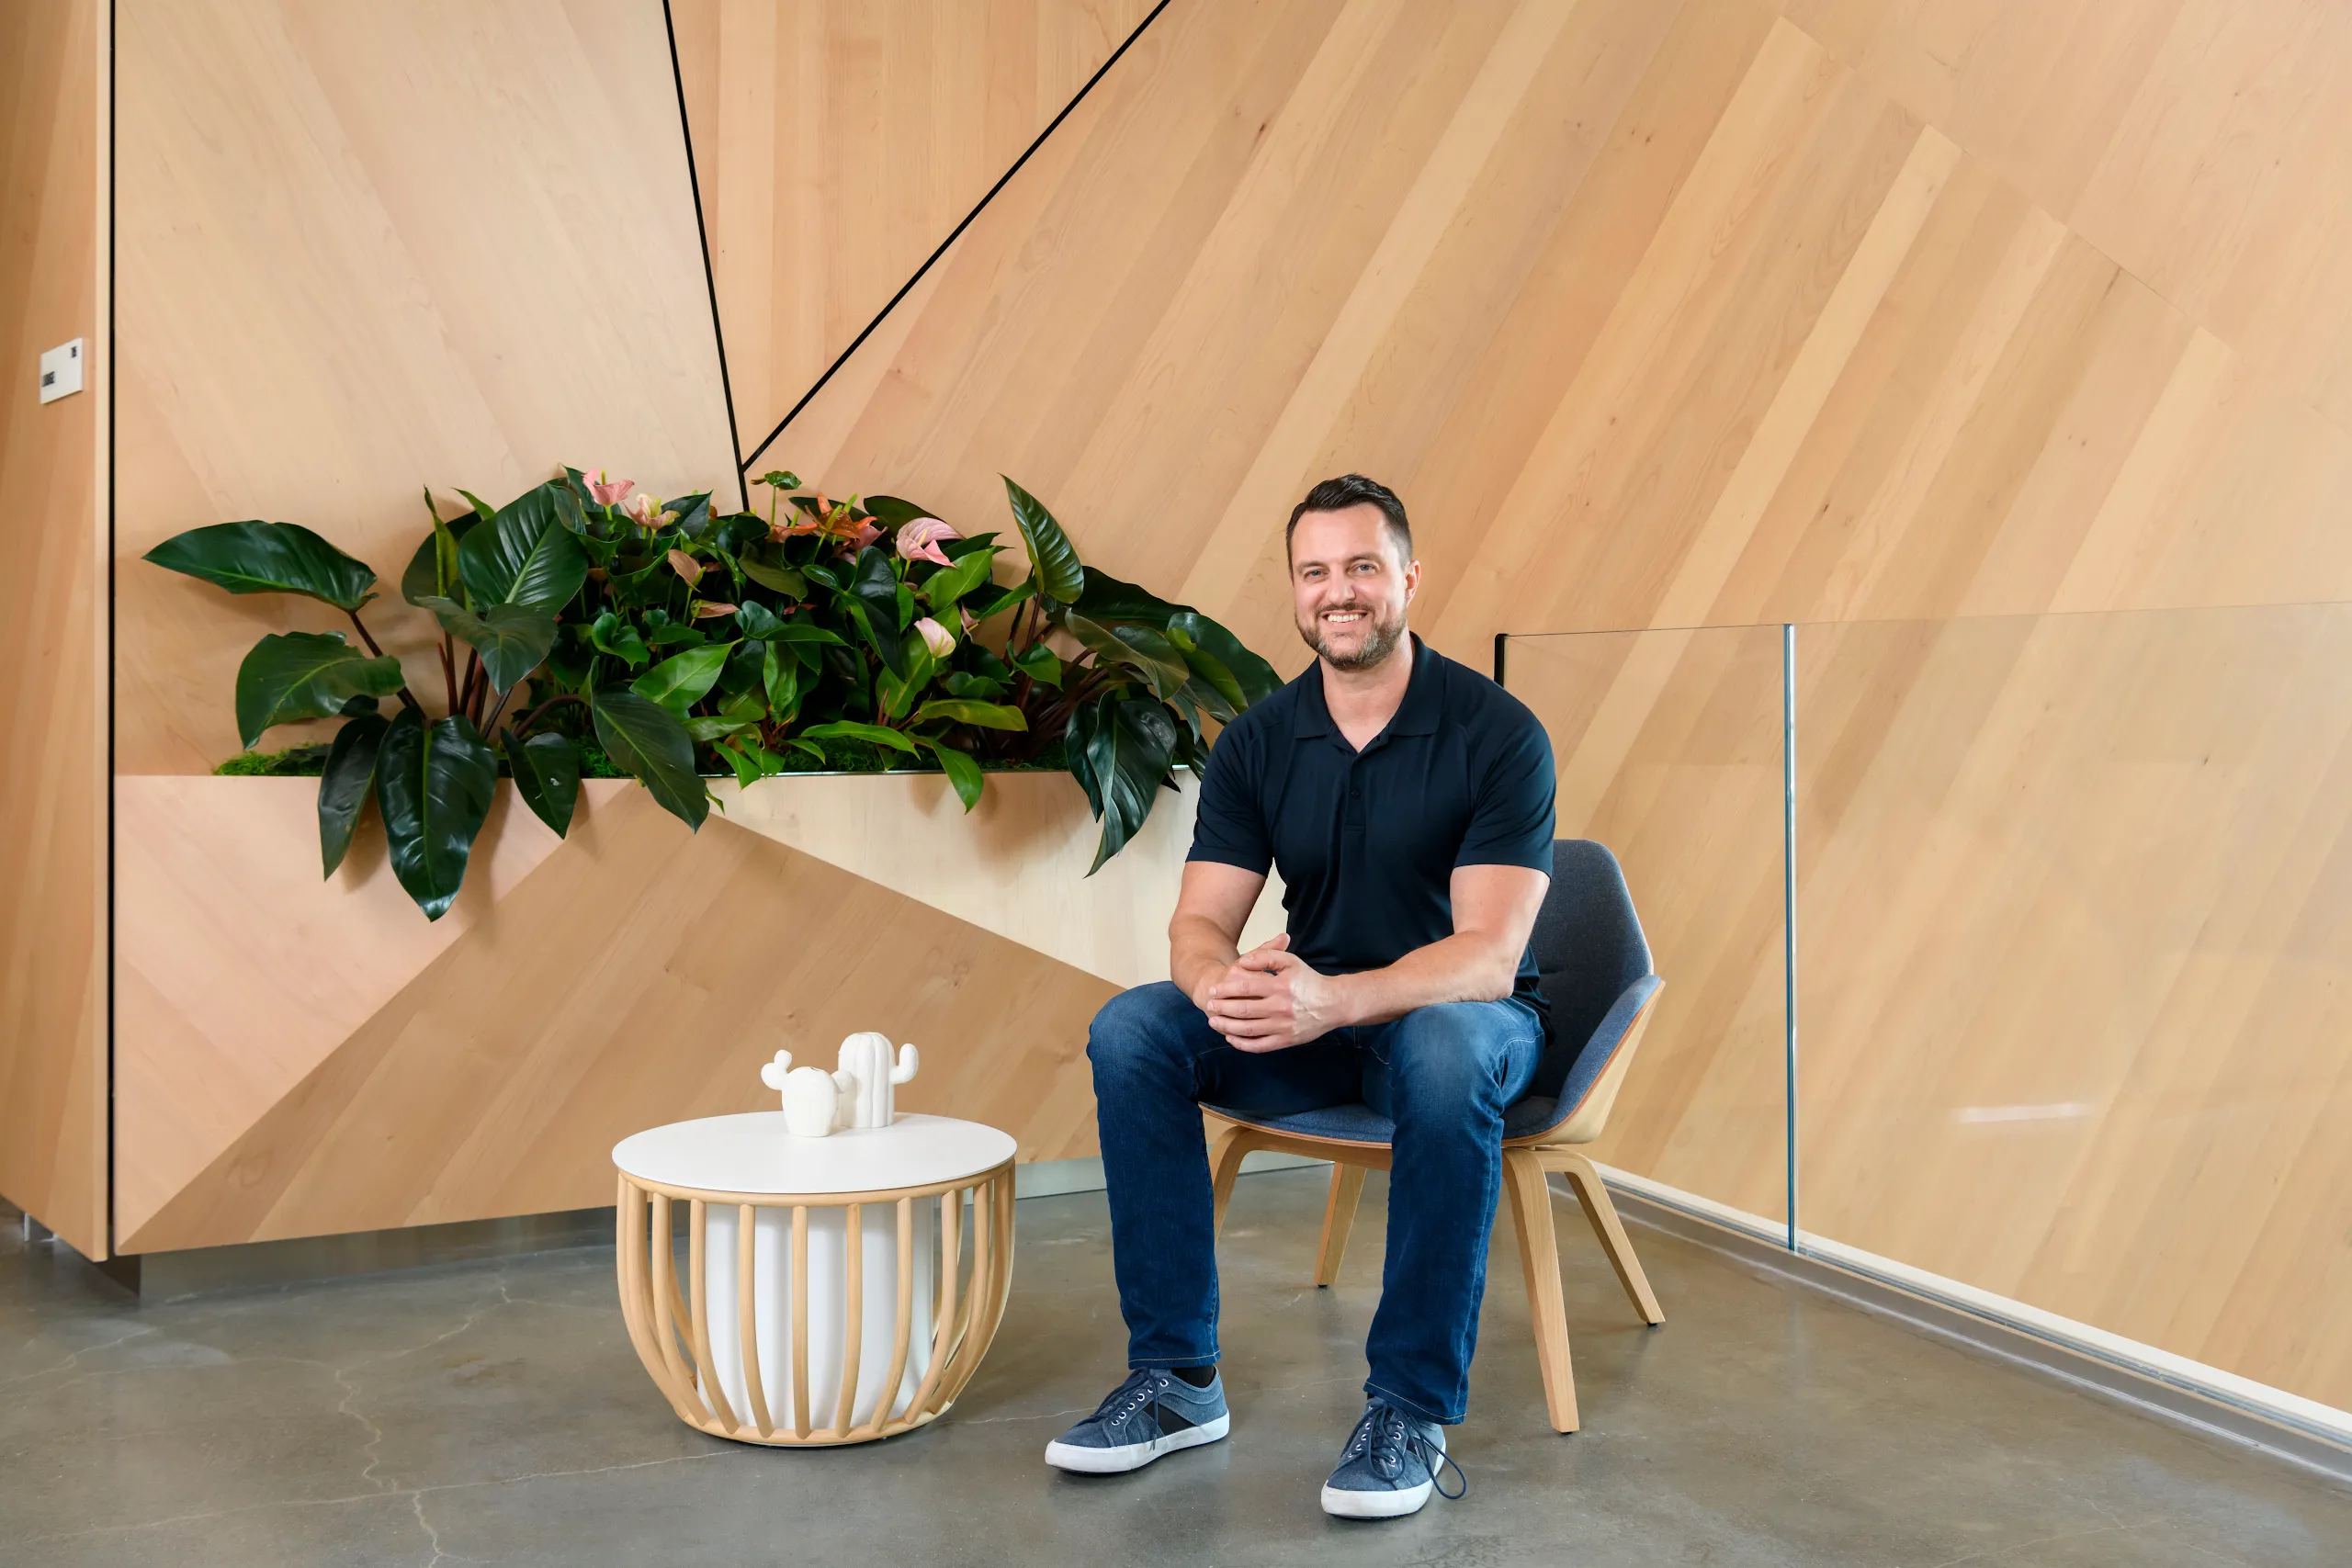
x: 1407, y: 802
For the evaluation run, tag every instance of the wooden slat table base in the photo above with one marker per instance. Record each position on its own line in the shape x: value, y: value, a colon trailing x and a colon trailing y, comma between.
x: 671, y: 1332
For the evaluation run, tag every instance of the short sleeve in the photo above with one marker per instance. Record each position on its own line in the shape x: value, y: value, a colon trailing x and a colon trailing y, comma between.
x: 1231, y: 828
x: 1511, y: 821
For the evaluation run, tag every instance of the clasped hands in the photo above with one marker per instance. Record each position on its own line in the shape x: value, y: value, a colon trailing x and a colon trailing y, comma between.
x: 1269, y: 1000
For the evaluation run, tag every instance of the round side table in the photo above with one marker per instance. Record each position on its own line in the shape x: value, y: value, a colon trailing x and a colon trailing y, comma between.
x: 831, y: 1294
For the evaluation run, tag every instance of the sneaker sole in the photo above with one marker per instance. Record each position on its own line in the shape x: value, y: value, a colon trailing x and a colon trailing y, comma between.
x: 1132, y: 1456
x: 1349, y: 1504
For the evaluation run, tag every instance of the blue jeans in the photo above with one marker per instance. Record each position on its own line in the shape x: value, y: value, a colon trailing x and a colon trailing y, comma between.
x: 1442, y: 1073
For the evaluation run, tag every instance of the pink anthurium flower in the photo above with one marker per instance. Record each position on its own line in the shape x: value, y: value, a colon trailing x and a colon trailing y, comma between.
x: 645, y: 510
x: 919, y: 540
x: 686, y: 565
x: 936, y: 638
x: 607, y: 490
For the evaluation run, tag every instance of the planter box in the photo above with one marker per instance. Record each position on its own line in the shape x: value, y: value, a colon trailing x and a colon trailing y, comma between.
x: 298, y: 1056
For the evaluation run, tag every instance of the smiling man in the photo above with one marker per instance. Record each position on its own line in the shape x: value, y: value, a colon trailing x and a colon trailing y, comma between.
x: 1407, y: 803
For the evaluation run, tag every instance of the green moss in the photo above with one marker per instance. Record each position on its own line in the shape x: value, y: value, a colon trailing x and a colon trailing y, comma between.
x: 294, y: 763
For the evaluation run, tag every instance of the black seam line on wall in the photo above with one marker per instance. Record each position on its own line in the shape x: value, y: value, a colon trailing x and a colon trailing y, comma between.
x: 113, y: 354
x: 709, y: 278
x: 953, y: 235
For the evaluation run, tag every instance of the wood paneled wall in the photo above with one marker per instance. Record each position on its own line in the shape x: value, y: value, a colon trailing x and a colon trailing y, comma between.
x: 340, y: 282
x: 53, y: 621
x: 839, y: 142
x: 1657, y: 315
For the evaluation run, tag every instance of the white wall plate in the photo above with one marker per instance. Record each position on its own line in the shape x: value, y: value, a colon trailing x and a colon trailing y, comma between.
x: 61, y: 371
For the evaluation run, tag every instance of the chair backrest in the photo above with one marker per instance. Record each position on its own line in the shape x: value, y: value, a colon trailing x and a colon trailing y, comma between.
x: 1588, y: 947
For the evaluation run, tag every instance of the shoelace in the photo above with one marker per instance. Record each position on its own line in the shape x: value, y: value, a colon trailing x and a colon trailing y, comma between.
x: 1386, y: 1434
x: 1143, y: 1386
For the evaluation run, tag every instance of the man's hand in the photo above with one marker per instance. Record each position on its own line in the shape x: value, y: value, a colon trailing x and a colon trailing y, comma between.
x: 1270, y: 1000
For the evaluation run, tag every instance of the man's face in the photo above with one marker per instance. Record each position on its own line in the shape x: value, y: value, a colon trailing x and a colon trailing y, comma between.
x: 1347, y: 587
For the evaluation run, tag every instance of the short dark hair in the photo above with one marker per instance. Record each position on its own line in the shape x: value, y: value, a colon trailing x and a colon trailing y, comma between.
x: 1354, y: 490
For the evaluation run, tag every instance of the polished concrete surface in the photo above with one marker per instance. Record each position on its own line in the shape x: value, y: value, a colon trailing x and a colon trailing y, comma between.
x: 494, y: 1413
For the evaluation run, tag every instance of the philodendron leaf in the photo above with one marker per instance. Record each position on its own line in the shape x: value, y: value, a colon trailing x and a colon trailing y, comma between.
x: 268, y: 558
x: 524, y: 555
x: 681, y: 680
x: 1052, y: 560
x: 513, y: 639
x: 960, y: 710
x: 346, y: 785
x: 610, y: 634
x: 646, y: 740
x: 849, y: 730
x: 434, y: 786
x: 1129, y: 752
x: 1138, y: 647
x: 1041, y: 664
x: 893, y: 512
x: 293, y: 675
x: 546, y: 770
x: 962, y: 771
x: 1254, y: 677
x: 944, y: 586
x: 1107, y: 601
x: 773, y: 575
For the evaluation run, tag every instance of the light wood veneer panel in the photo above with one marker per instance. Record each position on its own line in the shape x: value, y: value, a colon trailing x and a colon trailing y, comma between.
x: 53, y: 621
x: 1016, y: 865
x: 1655, y: 315
x: 839, y: 142
x: 239, y: 969
x: 2075, y: 909
x: 640, y: 974
x: 1669, y: 750
x: 366, y: 249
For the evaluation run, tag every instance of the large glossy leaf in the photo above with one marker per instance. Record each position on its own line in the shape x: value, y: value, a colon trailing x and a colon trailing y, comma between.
x: 513, y: 639
x: 849, y: 730
x: 546, y: 770
x: 1253, y: 675
x: 610, y: 634
x: 346, y: 785
x: 957, y: 710
x: 1137, y: 647
x: 268, y: 558
x: 645, y: 740
x: 433, y: 784
x: 774, y: 575
x: 681, y: 680
x: 944, y: 586
x: 1041, y: 664
x: 1107, y: 601
x: 1052, y: 558
x: 1128, y: 752
x: 962, y: 771
x: 524, y: 555
x: 780, y: 679
x: 295, y: 675
x: 1078, y: 751
x: 893, y: 512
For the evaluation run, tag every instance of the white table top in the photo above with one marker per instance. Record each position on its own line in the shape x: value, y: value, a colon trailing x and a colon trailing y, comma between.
x: 753, y: 1153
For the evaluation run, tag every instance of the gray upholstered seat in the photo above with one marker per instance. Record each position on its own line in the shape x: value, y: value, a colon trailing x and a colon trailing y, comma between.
x: 1596, y: 967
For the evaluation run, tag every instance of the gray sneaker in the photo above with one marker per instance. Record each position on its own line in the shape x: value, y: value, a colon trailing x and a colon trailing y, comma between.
x: 1153, y: 1413
x: 1389, y: 1466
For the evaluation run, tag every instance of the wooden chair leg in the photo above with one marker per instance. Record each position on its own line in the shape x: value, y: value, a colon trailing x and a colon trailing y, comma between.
x: 1594, y: 1195
x: 1539, y: 1255
x: 1225, y: 1164
x: 1338, y: 1219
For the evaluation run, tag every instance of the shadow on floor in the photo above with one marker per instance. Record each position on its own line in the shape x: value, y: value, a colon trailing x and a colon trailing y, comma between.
x: 494, y: 1413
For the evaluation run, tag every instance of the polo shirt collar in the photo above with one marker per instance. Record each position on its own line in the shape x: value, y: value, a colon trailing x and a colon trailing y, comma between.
x: 1417, y: 714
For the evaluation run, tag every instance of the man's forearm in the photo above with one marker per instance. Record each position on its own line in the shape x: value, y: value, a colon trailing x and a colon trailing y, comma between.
x: 1468, y: 966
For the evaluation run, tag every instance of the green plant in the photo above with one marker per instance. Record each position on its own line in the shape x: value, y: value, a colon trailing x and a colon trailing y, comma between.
x: 615, y: 633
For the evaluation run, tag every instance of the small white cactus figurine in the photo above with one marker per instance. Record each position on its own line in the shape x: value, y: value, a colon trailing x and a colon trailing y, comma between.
x: 869, y: 1080
x: 811, y: 1095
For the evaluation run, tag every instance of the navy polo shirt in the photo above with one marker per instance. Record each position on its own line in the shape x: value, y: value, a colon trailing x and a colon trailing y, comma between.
x: 1367, y: 841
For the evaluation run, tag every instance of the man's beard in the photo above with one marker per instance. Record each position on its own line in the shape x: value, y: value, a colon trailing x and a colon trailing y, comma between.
x: 1383, y: 632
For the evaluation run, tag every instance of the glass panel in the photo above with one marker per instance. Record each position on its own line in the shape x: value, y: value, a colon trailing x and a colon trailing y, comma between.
x: 1668, y: 745
x: 2075, y: 961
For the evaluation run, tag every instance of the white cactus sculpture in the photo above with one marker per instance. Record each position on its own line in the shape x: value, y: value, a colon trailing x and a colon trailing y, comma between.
x: 869, y: 1080
x: 811, y: 1095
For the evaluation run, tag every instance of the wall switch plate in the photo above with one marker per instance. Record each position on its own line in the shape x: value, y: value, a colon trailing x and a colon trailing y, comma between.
x: 61, y: 371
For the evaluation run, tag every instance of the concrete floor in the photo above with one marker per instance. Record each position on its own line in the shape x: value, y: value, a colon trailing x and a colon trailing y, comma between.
x: 491, y: 1412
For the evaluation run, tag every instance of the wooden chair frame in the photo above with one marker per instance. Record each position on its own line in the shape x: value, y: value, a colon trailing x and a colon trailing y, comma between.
x: 1526, y: 1161
x: 671, y: 1330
